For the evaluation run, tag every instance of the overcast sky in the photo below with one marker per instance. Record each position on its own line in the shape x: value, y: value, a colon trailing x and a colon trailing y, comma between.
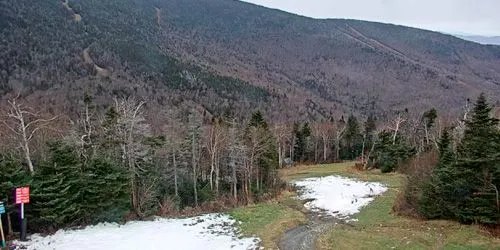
x: 477, y: 17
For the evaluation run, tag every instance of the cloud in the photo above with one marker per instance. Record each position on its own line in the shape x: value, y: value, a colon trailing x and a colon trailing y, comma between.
x: 465, y: 16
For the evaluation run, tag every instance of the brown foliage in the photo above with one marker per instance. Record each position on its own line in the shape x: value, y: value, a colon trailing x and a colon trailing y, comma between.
x: 418, y: 170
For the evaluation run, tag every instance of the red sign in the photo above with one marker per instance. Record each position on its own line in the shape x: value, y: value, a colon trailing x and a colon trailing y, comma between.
x: 22, y: 195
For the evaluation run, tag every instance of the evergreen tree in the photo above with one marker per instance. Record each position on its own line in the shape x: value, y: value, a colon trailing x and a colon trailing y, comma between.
x: 388, y: 154
x: 353, y: 139
x: 464, y: 186
x: 12, y: 175
x: 302, y: 135
x: 428, y: 120
x: 263, y: 146
x: 439, y: 198
x: 58, y: 188
x: 478, y: 167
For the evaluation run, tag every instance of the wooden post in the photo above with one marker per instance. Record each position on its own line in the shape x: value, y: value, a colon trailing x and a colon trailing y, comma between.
x: 1, y: 230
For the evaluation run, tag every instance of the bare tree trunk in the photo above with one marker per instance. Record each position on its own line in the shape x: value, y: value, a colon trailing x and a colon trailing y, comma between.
x: 316, y: 151
x: 497, y: 196
x: 176, y: 185
x: 337, y: 150
x: 280, y: 156
x: 325, y: 152
x: 212, y: 170
x: 24, y: 124
x: 235, y: 181
x: 217, y: 175
x: 195, y: 182
x: 369, y: 155
x: 363, y: 149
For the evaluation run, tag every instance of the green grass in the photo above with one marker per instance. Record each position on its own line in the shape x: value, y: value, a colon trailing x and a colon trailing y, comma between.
x: 268, y: 221
x: 377, y: 227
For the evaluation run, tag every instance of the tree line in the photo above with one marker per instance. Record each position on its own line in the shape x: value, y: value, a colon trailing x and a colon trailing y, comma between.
x: 107, y: 163
x: 112, y: 163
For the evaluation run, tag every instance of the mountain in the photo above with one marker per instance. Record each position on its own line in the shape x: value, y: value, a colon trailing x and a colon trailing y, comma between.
x: 492, y: 40
x: 226, y: 54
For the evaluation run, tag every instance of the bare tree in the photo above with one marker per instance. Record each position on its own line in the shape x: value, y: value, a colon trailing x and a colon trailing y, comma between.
x: 132, y: 129
x: 84, y: 130
x: 281, y: 132
x: 174, y: 136
x: 340, y: 129
x: 396, y: 126
x: 24, y: 124
x: 194, y: 126
x: 326, y: 132
x: 215, y: 135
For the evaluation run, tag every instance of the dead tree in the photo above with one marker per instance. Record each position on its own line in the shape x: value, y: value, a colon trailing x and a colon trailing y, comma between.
x: 24, y: 124
x: 340, y: 130
x: 214, y: 139
x: 131, y: 131
x: 396, y: 126
x: 281, y: 132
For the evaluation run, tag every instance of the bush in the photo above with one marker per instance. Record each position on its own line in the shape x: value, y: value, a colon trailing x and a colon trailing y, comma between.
x: 418, y: 172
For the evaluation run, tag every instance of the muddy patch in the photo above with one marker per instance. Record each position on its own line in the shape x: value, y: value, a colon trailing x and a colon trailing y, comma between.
x: 303, y: 237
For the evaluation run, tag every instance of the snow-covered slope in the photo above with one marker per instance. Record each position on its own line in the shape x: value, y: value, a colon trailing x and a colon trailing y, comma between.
x: 211, y: 232
x: 338, y: 196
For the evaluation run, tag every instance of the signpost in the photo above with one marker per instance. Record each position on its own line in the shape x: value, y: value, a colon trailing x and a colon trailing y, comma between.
x: 2, y: 211
x: 22, y: 197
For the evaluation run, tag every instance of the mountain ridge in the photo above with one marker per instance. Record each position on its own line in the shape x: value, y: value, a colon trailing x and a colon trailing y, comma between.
x: 218, y: 52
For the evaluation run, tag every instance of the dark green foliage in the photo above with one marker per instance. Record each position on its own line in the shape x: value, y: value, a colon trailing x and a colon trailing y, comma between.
x: 66, y: 192
x: 12, y: 175
x: 464, y: 186
x: 266, y: 156
x: 388, y: 154
x: 258, y: 120
x: 439, y: 194
x: 429, y: 118
x: 478, y: 166
x: 58, y: 189
x: 302, y: 135
x: 353, y: 139
x: 106, y: 193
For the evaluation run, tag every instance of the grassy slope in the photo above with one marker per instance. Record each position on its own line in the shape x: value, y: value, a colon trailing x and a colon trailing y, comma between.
x: 377, y: 227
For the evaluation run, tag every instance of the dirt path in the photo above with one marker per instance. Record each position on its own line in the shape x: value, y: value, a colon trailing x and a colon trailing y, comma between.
x: 88, y: 59
x: 303, y: 237
x: 158, y: 16
x: 76, y: 17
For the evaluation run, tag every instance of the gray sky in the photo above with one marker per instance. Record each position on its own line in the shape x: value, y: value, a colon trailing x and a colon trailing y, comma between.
x: 478, y: 17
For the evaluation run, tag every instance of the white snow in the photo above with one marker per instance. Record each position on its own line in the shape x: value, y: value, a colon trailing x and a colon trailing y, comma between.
x: 211, y: 231
x: 338, y: 196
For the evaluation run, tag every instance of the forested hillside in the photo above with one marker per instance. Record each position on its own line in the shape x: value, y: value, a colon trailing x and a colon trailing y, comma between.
x: 221, y: 53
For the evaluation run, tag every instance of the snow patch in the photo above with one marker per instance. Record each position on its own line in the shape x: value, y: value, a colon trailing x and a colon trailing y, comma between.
x: 211, y: 231
x: 338, y: 196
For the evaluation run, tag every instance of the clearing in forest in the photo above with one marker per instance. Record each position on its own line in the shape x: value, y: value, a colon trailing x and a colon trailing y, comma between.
x: 374, y: 227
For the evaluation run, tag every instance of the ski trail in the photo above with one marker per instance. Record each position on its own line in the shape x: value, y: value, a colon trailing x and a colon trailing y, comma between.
x: 158, y: 16
x: 88, y: 59
x: 76, y: 17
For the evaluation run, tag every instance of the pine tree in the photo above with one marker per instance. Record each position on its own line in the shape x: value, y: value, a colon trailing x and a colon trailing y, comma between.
x: 388, y: 154
x: 58, y: 189
x: 439, y: 198
x: 12, y: 175
x: 478, y: 167
x: 353, y: 139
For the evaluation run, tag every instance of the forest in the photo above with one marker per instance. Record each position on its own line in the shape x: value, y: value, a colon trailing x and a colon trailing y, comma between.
x: 128, y: 161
